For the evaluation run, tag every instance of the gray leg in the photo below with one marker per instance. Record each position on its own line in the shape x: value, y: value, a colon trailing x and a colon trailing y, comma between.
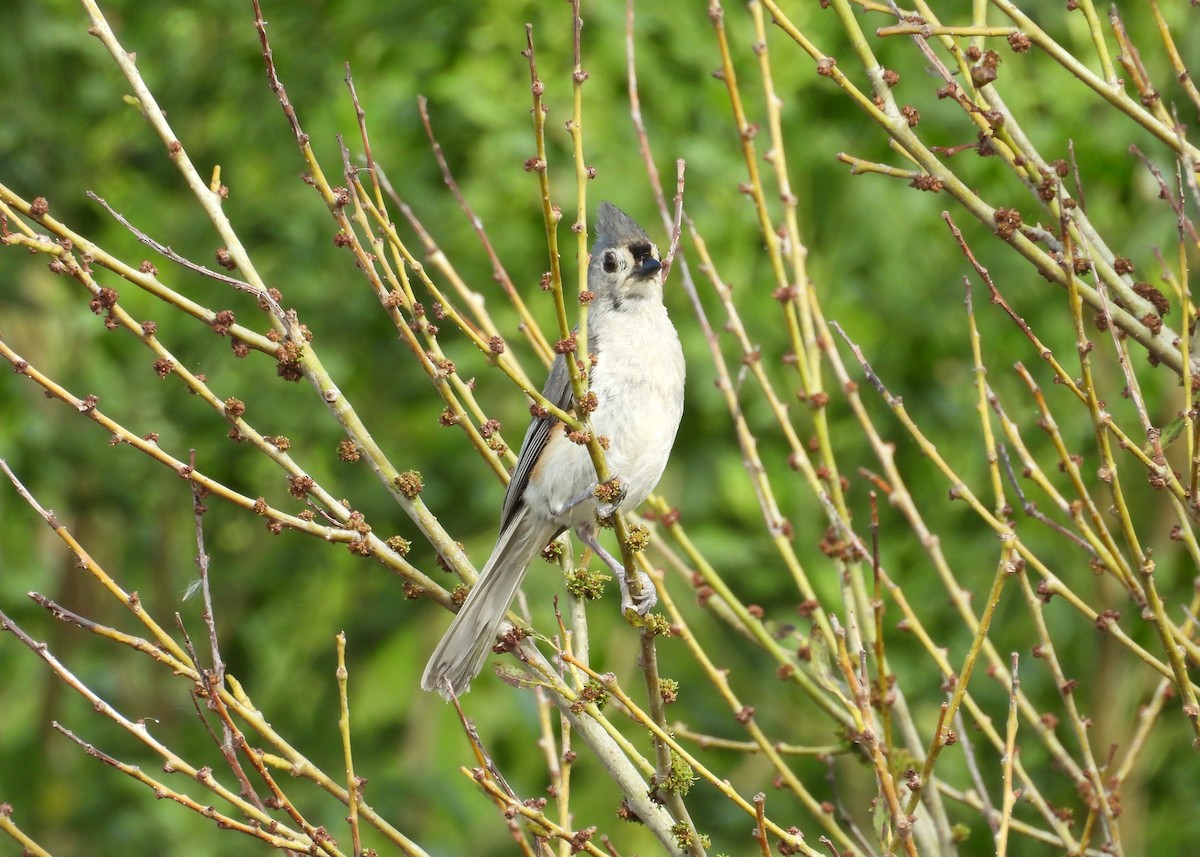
x: 607, y: 510
x: 583, y: 496
x: 603, y: 510
x: 648, y: 596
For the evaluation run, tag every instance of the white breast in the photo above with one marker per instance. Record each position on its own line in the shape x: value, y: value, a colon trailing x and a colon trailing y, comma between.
x: 638, y: 382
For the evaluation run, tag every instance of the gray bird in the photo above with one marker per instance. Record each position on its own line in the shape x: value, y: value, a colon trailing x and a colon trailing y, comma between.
x: 638, y: 384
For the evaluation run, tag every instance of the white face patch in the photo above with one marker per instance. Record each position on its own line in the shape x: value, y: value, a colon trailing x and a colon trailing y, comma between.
x: 625, y: 265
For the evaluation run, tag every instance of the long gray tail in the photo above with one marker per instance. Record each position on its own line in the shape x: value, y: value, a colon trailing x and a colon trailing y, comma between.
x: 464, y: 647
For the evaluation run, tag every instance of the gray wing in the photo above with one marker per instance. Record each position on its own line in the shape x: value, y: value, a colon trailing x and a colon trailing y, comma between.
x: 557, y: 391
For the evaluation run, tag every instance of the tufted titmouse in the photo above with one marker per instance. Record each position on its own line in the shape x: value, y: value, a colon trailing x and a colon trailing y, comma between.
x: 638, y: 383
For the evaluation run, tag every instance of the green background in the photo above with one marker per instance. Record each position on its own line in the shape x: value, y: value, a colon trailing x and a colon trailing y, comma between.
x: 880, y: 255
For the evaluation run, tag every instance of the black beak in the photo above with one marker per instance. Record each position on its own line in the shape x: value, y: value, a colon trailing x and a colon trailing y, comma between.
x: 647, y: 267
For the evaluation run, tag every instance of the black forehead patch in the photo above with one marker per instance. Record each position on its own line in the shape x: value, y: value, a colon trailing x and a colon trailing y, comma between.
x: 640, y: 249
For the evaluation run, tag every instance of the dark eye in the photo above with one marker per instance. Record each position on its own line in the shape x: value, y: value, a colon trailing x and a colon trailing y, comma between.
x: 610, y: 261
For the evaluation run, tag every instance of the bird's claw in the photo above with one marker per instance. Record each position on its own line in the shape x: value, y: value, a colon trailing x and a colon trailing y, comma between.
x: 609, y: 496
x: 647, y: 595
x: 646, y: 598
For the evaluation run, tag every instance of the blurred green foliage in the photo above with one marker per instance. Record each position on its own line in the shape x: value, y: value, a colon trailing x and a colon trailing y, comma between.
x: 879, y: 252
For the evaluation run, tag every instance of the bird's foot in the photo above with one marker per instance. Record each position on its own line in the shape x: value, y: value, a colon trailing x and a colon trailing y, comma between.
x: 609, y: 496
x: 646, y: 597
